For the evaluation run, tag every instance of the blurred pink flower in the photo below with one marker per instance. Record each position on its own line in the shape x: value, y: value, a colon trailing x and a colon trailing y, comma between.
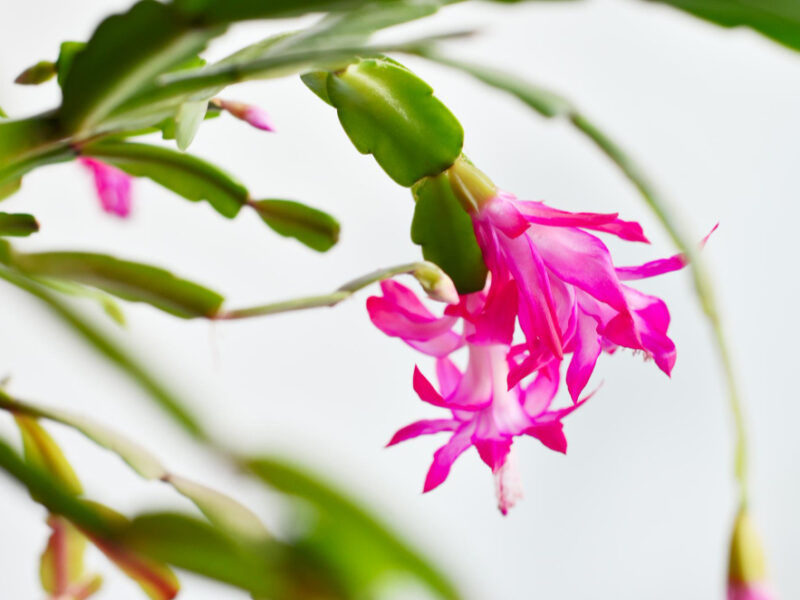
x: 253, y: 115
x: 113, y: 186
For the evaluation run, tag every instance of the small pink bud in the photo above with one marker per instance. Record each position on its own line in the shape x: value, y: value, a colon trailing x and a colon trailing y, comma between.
x: 113, y: 186
x: 253, y: 115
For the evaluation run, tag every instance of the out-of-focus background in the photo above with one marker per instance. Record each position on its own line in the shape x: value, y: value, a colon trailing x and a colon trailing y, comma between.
x: 642, y: 504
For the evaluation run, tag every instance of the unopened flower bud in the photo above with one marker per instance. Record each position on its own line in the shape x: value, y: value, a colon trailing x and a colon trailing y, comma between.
x: 253, y: 115
x: 436, y: 283
x: 36, y: 74
x: 747, y: 572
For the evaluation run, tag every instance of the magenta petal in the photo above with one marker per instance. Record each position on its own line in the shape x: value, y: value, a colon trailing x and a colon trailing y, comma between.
x: 538, y: 396
x: 660, y: 266
x: 404, y: 299
x: 626, y: 230
x: 394, y: 321
x: 439, y: 346
x: 113, y: 186
x: 448, y: 375
x: 424, y: 427
x: 653, y: 268
x: 585, y: 353
x: 533, y: 362
x: 502, y: 213
x: 581, y: 259
x: 426, y: 391
x: 537, y: 312
x: 538, y: 212
x: 495, y: 322
x: 493, y: 451
x: 444, y: 458
x: 551, y: 435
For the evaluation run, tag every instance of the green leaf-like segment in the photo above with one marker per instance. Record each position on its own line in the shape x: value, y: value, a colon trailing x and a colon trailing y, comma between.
x: 373, y: 551
x: 314, y: 228
x: 444, y: 230
x: 17, y: 224
x: 125, y: 54
x: 186, y: 175
x: 221, y: 510
x: 776, y: 19
x: 389, y: 112
x: 128, y: 280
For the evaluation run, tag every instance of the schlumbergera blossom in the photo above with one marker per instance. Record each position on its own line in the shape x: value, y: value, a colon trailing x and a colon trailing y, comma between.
x: 113, y: 186
x: 557, y: 281
x: 571, y: 299
x: 484, y: 411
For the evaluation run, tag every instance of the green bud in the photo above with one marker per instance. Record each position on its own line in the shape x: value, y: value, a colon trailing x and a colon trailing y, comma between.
x: 42, y: 71
x: 747, y: 563
x: 436, y: 283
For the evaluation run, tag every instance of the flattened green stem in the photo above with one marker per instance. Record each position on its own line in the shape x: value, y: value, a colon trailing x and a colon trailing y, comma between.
x: 332, y: 299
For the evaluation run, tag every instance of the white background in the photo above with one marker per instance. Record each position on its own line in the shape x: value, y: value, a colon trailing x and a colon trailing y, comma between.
x: 641, y: 506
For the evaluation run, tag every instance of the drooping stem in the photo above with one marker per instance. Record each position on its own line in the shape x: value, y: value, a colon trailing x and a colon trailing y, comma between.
x: 704, y: 289
x: 332, y: 299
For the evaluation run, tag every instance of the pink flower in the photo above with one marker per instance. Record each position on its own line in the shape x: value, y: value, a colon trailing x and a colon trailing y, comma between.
x: 570, y: 297
x: 113, y: 186
x: 253, y: 115
x: 484, y: 412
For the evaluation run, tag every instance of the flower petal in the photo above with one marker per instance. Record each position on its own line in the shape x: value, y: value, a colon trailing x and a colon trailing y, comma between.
x: 393, y: 321
x: 538, y: 212
x: 538, y: 396
x: 551, y: 435
x: 537, y: 311
x: 581, y: 259
x: 502, y: 213
x: 448, y: 375
x: 426, y: 391
x: 585, y: 351
x: 445, y: 456
x: 423, y: 427
x: 493, y: 451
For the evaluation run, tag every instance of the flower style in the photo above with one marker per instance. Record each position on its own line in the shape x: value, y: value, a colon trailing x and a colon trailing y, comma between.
x: 113, y: 186
x: 570, y: 296
x: 484, y: 412
x: 252, y: 115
